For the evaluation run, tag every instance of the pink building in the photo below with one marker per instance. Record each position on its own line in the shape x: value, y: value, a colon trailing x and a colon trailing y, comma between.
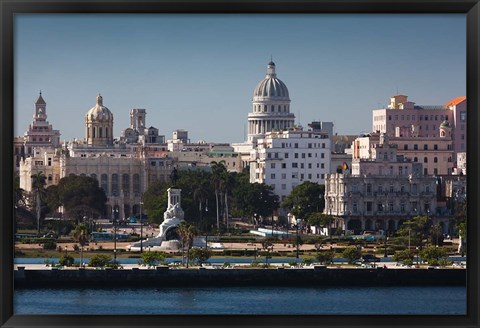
x: 403, y: 118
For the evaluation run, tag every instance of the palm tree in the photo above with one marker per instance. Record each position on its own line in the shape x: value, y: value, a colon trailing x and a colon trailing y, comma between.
x: 38, y: 187
x: 200, y: 194
x: 436, y: 231
x: 80, y: 234
x: 218, y: 179
x: 186, y: 232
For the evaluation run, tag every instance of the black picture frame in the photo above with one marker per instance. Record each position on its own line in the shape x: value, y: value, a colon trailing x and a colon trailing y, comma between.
x: 471, y: 8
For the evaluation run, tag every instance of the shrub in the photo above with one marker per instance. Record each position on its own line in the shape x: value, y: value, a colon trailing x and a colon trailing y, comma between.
x: 99, y: 260
x: 76, y: 247
x: 66, y: 260
x: 325, y: 257
x: 308, y: 260
x: 49, y: 245
x: 152, y: 258
x: 433, y: 254
x: 255, y: 263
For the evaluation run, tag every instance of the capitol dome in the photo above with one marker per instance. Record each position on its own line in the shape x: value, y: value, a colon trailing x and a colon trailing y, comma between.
x: 271, y: 86
x: 99, y: 112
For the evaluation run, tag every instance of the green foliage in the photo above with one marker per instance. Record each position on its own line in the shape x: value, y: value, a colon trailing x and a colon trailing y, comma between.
x: 417, y: 230
x: 308, y: 260
x: 66, y: 260
x: 79, y: 195
x: 49, y: 245
x: 151, y: 259
x: 200, y: 255
x: 324, y: 257
x: 431, y: 254
x: 320, y: 219
x: 80, y: 234
x: 99, y: 260
x: 403, y: 256
x: 305, y: 199
x: 255, y: 263
x: 352, y: 254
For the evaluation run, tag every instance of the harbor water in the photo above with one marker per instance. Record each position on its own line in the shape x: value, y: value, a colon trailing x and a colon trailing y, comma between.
x: 243, y: 300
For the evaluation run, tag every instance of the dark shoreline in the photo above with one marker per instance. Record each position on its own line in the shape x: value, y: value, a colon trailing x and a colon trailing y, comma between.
x: 165, y: 277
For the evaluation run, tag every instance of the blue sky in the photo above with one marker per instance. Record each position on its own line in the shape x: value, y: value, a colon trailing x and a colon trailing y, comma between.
x: 198, y: 72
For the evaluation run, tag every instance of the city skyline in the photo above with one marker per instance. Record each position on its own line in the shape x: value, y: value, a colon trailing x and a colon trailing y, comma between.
x: 198, y: 72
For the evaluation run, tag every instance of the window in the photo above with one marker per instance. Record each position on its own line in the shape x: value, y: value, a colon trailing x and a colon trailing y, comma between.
x: 425, y: 159
x: 369, y: 206
x: 284, y: 186
x: 323, y: 145
x: 284, y: 175
x: 284, y: 165
x: 296, y: 145
x: 322, y: 155
x: 369, y: 188
x: 309, y: 165
x: 322, y: 165
x: 435, y: 147
x: 463, y: 116
x: 402, y: 207
x: 435, y: 160
x: 294, y: 165
x: 425, y: 147
x: 272, y: 165
x: 303, y: 155
x: 355, y: 208
x: 296, y: 155
x: 272, y: 176
x: 379, y: 207
x: 380, y: 188
x: 286, y: 155
x: 405, y: 147
x: 302, y: 166
x: 415, y: 147
x: 391, y: 188
x: 390, y: 207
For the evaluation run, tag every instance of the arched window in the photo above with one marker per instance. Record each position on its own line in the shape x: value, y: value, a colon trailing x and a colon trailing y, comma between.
x: 435, y: 160
x: 100, y: 132
x: 115, y: 184
x: 104, y: 183
x: 136, y: 184
x: 126, y: 184
x: 425, y: 159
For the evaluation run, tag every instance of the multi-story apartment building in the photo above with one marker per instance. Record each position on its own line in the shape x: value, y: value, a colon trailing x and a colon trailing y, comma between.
x: 403, y: 116
x: 381, y: 192
x: 285, y: 159
x: 435, y: 153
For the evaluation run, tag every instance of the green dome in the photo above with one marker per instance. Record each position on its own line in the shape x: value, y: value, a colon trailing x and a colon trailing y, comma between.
x: 445, y: 123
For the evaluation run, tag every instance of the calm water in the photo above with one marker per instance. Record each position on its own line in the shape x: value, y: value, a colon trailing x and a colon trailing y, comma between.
x: 243, y: 300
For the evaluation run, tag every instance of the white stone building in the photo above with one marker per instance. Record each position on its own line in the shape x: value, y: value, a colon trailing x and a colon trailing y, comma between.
x: 285, y: 159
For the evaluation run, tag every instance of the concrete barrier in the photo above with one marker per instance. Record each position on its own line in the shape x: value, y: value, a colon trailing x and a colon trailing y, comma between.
x: 162, y: 276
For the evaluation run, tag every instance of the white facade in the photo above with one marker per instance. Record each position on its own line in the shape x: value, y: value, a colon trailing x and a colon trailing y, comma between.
x: 286, y: 159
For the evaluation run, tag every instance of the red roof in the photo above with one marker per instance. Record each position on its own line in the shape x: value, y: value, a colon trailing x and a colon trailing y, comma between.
x: 455, y: 101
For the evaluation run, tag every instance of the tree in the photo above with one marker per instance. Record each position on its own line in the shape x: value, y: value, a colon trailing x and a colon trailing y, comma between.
x: 200, y: 255
x: 406, y: 256
x: 415, y: 231
x: 320, y: 219
x: 151, y: 259
x: 79, y: 195
x: 186, y: 233
x: 38, y: 188
x: 80, y: 234
x: 324, y: 257
x: 66, y: 260
x: 352, y: 254
x: 436, y: 233
x: 219, y: 173
x: 432, y: 255
x: 305, y: 199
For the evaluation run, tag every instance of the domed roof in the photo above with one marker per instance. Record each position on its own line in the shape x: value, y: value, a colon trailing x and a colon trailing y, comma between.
x: 99, y: 112
x: 445, y: 123
x: 271, y: 86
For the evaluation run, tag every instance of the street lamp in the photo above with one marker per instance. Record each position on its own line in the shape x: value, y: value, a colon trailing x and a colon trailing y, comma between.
x: 114, y: 214
x: 386, y: 237
x: 141, y: 227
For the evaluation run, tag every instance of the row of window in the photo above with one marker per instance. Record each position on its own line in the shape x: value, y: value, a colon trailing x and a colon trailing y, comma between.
x: 309, y: 145
x: 295, y: 175
x: 295, y: 165
x: 295, y: 155
x: 421, y: 117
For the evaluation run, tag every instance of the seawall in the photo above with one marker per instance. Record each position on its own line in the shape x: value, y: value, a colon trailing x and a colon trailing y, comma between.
x: 165, y: 277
